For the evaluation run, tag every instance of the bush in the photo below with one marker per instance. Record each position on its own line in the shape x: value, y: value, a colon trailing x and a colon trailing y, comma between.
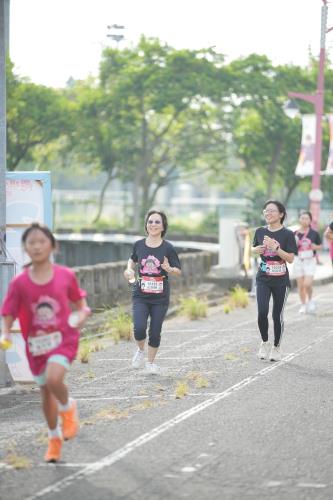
x: 120, y: 324
x: 193, y: 307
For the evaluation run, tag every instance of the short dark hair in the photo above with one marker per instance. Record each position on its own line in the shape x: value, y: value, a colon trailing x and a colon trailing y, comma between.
x: 306, y: 212
x: 41, y: 227
x: 281, y: 208
x: 44, y: 304
x: 163, y: 217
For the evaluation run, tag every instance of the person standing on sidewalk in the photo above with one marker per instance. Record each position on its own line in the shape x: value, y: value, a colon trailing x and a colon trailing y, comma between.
x: 41, y: 298
x: 156, y: 259
x: 308, y: 242
x: 328, y: 234
x: 276, y: 246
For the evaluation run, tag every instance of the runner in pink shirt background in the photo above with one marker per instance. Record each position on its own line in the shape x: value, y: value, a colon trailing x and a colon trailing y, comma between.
x: 42, y: 298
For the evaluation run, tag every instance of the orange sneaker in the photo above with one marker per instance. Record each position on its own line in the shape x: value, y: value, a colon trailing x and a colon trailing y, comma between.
x: 53, y: 451
x: 70, y: 422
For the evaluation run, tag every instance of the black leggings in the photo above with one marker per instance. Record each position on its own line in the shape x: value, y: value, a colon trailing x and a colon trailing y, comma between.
x: 141, y: 311
x: 280, y: 294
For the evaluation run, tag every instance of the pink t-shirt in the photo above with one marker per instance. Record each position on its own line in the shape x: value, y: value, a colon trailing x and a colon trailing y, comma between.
x: 43, y: 312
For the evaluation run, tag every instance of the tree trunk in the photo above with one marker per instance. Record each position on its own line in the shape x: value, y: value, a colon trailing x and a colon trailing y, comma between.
x: 101, y: 198
x: 290, y: 189
x: 136, y: 200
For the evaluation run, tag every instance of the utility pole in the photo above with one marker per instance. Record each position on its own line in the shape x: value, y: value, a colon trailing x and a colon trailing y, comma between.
x: 6, y: 268
x: 317, y: 99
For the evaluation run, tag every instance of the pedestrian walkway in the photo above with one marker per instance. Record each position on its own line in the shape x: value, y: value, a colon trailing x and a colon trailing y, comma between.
x: 244, y: 429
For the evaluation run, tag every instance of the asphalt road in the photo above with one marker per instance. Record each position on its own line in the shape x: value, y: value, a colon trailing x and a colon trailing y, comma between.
x: 258, y: 429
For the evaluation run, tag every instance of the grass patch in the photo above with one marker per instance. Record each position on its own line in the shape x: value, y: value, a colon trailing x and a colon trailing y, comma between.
x: 88, y: 346
x: 193, y: 308
x: 18, y: 462
x: 182, y: 389
x: 120, y: 325
x: 239, y: 297
x: 230, y: 356
x: 199, y: 380
x: 84, y: 352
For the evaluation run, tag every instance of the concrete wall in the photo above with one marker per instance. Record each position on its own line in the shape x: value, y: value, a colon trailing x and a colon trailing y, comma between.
x: 106, y: 285
x: 88, y: 249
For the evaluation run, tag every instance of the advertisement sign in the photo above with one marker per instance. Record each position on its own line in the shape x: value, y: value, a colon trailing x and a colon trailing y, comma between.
x: 28, y: 199
x: 306, y: 160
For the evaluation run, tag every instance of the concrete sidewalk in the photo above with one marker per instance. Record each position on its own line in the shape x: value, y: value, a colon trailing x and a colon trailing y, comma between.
x: 245, y: 429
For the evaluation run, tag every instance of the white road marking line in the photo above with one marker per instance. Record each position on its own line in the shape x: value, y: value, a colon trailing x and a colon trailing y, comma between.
x: 64, y: 464
x: 119, y: 454
x: 311, y: 485
x: 188, y: 469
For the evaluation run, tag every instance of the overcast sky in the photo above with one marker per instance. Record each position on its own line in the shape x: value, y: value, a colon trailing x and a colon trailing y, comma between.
x: 51, y: 40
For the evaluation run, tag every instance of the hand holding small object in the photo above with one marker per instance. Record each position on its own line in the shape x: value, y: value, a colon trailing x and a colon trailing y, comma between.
x: 129, y: 275
x: 77, y: 318
x: 5, y: 342
x: 270, y: 243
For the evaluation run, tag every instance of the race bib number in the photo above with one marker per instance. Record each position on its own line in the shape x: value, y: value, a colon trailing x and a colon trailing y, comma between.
x: 274, y: 268
x: 152, y: 285
x: 305, y: 254
x: 44, y: 343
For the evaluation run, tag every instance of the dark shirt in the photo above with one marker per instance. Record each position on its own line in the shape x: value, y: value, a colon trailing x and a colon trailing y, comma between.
x: 311, y: 235
x: 149, y: 261
x: 287, y: 242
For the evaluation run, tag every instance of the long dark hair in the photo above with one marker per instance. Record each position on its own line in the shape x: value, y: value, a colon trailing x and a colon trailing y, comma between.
x: 41, y: 227
x: 163, y: 217
x: 281, y: 208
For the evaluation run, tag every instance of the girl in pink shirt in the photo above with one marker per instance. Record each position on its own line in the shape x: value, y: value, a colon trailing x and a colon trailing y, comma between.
x: 41, y: 298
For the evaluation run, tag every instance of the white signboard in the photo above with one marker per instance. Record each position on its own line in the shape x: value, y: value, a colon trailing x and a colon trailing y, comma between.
x: 28, y: 199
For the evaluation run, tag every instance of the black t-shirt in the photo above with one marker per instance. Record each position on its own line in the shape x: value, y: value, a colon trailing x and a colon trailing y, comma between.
x: 152, y: 278
x: 272, y: 269
x: 311, y: 235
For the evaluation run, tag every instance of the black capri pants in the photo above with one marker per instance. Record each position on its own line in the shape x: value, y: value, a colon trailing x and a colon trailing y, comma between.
x: 280, y: 294
x: 142, y: 310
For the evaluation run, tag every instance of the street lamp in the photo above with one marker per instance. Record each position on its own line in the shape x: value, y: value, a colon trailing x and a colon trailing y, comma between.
x: 291, y: 109
x: 317, y: 100
x: 117, y: 35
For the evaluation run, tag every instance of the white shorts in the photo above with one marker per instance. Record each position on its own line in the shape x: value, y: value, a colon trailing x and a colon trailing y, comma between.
x: 305, y: 267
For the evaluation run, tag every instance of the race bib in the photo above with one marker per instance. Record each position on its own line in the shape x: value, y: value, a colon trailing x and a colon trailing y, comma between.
x: 274, y: 268
x: 152, y: 285
x: 44, y: 343
x: 305, y: 254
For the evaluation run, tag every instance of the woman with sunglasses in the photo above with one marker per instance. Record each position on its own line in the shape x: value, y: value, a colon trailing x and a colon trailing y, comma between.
x: 275, y: 246
x: 155, y: 259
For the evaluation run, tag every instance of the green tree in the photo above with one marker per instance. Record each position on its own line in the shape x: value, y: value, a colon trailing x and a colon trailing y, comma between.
x: 36, y: 115
x: 166, y: 100
x: 265, y: 139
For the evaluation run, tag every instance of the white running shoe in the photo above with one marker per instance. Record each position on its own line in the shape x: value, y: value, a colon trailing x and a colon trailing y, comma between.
x: 263, y: 350
x: 152, y: 368
x: 275, y: 354
x: 138, y: 359
x: 302, y: 309
x: 311, y: 307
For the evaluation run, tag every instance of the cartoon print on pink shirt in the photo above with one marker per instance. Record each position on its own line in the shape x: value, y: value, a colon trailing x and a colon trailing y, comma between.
x: 150, y: 265
x: 45, y: 312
